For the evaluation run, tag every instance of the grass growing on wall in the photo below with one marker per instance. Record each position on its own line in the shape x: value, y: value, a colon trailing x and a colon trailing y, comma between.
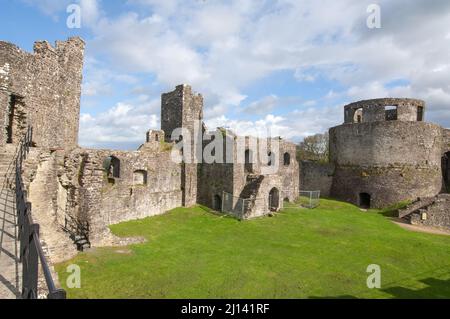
x: 300, y: 253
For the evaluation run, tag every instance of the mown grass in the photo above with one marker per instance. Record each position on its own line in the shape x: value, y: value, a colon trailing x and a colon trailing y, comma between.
x: 300, y: 253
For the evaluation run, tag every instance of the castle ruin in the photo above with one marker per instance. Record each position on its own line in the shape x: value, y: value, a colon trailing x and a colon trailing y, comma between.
x: 77, y: 193
x: 383, y: 153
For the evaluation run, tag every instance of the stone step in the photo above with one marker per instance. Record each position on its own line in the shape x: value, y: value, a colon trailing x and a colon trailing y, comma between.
x: 417, y: 205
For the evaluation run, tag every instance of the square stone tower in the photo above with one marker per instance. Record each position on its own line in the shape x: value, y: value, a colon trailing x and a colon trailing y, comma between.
x: 184, y: 109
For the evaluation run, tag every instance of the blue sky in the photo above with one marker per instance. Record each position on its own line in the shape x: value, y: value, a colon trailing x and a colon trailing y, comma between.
x: 287, y: 64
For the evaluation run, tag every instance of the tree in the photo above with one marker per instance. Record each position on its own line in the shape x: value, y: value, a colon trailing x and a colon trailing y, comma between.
x: 314, y: 148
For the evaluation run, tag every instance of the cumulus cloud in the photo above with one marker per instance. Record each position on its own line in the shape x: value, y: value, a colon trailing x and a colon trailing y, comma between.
x: 90, y: 12
x: 223, y: 47
x: 122, y: 126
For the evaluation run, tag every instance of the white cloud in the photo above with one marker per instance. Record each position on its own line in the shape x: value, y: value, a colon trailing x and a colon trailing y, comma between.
x: 263, y: 106
x: 90, y: 12
x: 223, y: 47
x: 89, y: 8
x: 124, y: 124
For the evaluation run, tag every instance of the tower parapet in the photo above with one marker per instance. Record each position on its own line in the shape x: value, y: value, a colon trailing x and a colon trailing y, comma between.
x: 388, y: 109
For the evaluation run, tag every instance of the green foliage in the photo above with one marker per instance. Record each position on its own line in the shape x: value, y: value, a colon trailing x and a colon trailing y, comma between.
x: 314, y: 148
x: 299, y: 253
x: 166, y: 147
x: 223, y: 131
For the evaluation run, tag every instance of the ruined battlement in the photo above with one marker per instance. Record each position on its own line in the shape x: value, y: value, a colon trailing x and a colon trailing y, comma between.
x: 41, y: 89
x: 387, y: 109
x: 180, y: 108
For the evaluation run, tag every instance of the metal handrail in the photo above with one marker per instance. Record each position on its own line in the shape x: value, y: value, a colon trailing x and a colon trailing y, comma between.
x: 31, y: 252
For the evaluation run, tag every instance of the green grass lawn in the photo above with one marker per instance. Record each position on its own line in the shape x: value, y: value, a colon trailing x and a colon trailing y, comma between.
x: 300, y: 253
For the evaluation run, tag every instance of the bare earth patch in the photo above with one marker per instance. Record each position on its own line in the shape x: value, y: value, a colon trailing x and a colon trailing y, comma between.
x: 421, y: 229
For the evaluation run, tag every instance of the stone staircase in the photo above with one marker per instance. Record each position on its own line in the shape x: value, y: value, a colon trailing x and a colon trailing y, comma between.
x: 251, y: 190
x: 421, y: 203
x: 10, y: 267
x: 429, y: 211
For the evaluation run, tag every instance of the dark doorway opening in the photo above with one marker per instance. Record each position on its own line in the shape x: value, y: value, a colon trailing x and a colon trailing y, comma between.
x: 274, y: 200
x: 217, y: 203
x: 248, y: 161
x: 420, y: 113
x: 446, y: 171
x: 287, y: 159
x: 364, y: 200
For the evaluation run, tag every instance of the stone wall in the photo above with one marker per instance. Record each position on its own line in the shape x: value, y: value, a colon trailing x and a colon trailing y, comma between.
x: 41, y: 89
x: 316, y: 176
x: 75, y: 199
x: 392, y: 161
x: 149, y: 184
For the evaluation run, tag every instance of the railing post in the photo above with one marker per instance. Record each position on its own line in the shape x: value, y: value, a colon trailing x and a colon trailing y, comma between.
x: 25, y: 231
x: 57, y: 294
x: 30, y: 265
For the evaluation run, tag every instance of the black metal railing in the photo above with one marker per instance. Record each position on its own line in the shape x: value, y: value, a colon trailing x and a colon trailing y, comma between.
x: 31, y: 253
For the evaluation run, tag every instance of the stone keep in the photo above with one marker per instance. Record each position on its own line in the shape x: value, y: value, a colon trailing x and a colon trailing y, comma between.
x: 385, y: 153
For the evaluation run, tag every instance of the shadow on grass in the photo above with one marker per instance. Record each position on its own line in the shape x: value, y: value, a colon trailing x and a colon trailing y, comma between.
x: 436, y: 289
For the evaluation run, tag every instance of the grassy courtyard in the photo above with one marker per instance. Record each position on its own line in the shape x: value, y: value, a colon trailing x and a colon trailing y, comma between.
x: 300, y: 253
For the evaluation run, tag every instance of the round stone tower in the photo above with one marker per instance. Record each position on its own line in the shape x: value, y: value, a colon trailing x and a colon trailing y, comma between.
x: 385, y: 153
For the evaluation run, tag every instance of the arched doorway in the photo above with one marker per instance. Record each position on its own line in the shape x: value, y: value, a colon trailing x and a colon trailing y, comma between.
x: 446, y: 171
x: 217, y: 203
x: 358, y: 116
x: 364, y: 200
x: 274, y: 200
